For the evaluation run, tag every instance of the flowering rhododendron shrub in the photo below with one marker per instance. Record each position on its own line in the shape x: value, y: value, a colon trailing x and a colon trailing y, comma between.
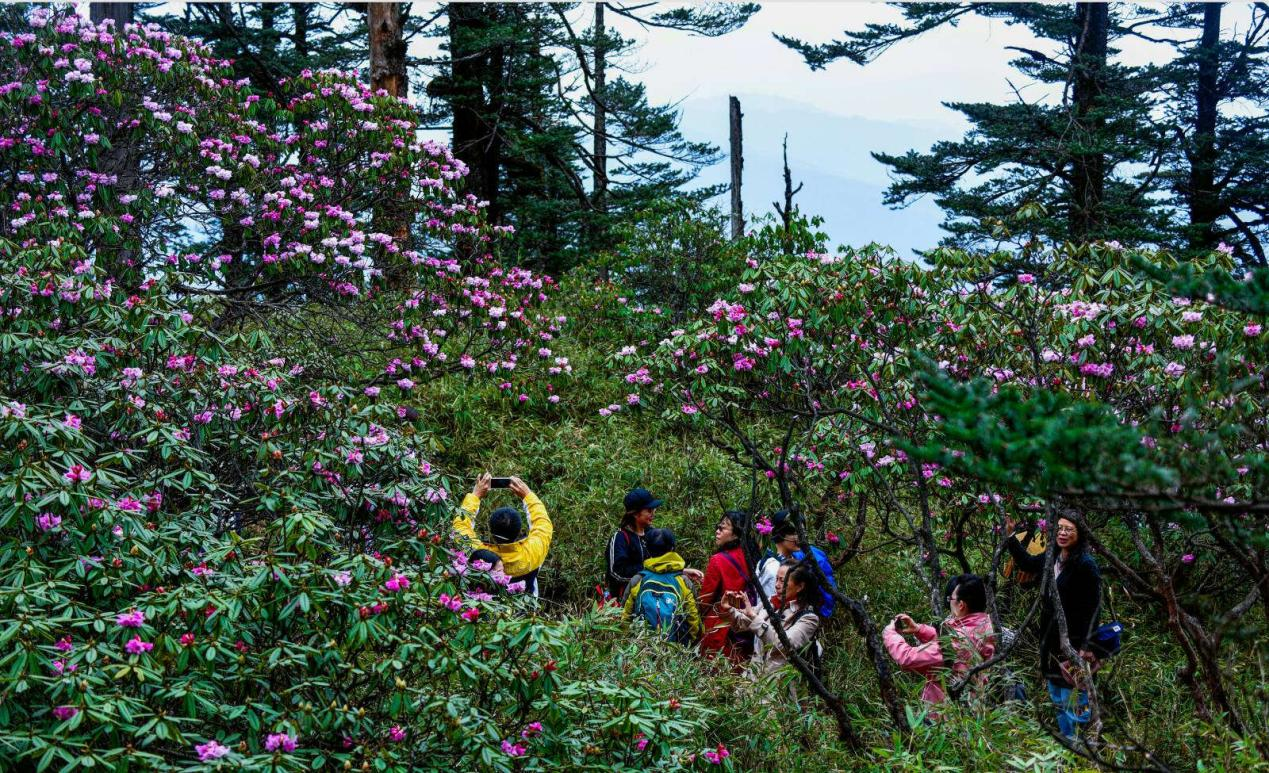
x: 221, y: 544
x: 887, y: 400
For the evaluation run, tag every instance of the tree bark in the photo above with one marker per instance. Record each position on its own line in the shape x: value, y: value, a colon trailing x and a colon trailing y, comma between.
x: 1088, y: 63
x: 1204, y: 203
x: 299, y: 37
x: 600, y: 193
x: 121, y: 13
x: 737, y: 165
x: 387, y: 49
x: 268, y: 40
x: 476, y: 140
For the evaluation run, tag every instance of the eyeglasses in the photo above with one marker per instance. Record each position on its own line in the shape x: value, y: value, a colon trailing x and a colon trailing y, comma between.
x: 1067, y: 530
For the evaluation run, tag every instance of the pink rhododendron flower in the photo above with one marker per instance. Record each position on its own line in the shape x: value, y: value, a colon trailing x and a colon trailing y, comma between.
x: 187, y: 639
x: 135, y: 646
x: 763, y: 525
x: 211, y: 750
x: 1252, y: 329
x: 72, y: 421
x: 689, y: 409
x: 65, y: 712
x: 470, y: 614
x: 77, y: 474
x: 398, y: 582
x: 133, y: 619
x: 396, y: 733
x: 1025, y: 279
x: 513, y: 749
x: 47, y: 521
x: 283, y: 741
x: 1183, y: 342
x: 1188, y: 558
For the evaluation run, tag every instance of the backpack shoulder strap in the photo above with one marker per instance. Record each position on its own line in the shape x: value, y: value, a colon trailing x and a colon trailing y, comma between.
x: 731, y: 560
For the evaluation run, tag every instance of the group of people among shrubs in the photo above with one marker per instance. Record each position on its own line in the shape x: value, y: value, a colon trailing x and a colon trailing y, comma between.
x: 721, y: 610
x: 764, y: 616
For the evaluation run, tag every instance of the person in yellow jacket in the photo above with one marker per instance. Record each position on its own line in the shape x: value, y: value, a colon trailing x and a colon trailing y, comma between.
x: 521, y: 558
x: 661, y: 595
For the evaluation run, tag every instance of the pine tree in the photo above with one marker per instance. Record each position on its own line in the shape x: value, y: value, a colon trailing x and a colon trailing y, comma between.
x: 1077, y: 156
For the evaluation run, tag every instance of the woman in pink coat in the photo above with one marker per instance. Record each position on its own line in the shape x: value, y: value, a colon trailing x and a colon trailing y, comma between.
x: 968, y: 628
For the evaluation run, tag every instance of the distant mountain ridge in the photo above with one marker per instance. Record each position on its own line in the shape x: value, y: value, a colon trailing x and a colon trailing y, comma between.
x: 828, y: 152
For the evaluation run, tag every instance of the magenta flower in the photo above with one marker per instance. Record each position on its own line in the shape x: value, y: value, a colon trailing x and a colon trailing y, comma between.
x: 1183, y: 342
x: 65, y: 712
x: 77, y: 474
x: 396, y: 733
x: 1188, y: 558
x: 283, y: 741
x: 1025, y: 279
x: 398, y: 582
x: 513, y: 749
x: 136, y: 646
x: 531, y: 729
x: 72, y: 421
x: 689, y: 409
x: 187, y: 639
x: 47, y: 521
x: 211, y: 750
x: 1252, y: 329
x: 133, y: 619
x: 64, y: 644
x: 763, y: 526
x: 470, y: 614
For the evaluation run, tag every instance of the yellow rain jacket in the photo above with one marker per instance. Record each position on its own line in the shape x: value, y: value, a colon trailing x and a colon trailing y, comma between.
x: 518, y: 558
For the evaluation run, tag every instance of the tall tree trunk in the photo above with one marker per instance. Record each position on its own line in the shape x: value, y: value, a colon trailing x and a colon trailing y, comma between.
x: 387, y: 48
x: 1088, y: 178
x: 475, y: 140
x: 737, y: 166
x: 1204, y: 203
x: 601, y: 139
x: 268, y: 38
x: 299, y: 35
x: 121, y: 13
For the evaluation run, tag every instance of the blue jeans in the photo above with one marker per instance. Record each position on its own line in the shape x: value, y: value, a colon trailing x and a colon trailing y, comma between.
x: 1072, y: 711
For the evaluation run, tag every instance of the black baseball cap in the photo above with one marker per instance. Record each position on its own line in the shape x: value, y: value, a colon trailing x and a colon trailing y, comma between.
x: 640, y: 498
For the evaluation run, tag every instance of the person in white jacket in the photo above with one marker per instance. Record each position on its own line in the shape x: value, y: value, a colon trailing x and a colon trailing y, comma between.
x: 797, y: 596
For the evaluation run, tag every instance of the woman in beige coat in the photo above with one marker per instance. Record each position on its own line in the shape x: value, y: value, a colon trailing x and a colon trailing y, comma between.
x: 797, y: 596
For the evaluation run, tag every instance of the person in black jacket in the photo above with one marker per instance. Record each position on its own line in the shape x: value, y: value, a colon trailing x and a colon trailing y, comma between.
x: 626, y: 550
x: 1079, y: 586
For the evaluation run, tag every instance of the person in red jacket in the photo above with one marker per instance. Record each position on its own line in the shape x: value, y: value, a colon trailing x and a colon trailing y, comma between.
x: 967, y: 629
x: 727, y: 570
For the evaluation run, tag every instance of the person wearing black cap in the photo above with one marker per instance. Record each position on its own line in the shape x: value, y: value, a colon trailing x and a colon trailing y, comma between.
x: 627, y: 549
x: 521, y: 557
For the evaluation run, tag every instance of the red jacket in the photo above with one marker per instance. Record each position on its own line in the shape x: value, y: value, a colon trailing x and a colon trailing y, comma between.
x: 726, y: 571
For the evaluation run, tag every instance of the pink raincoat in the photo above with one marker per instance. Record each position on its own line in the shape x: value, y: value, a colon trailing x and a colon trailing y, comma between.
x: 973, y: 640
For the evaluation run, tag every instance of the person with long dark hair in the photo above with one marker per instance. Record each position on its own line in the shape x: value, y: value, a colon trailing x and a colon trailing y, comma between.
x: 797, y: 598
x: 628, y: 549
x: 1079, y: 586
x: 727, y: 571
